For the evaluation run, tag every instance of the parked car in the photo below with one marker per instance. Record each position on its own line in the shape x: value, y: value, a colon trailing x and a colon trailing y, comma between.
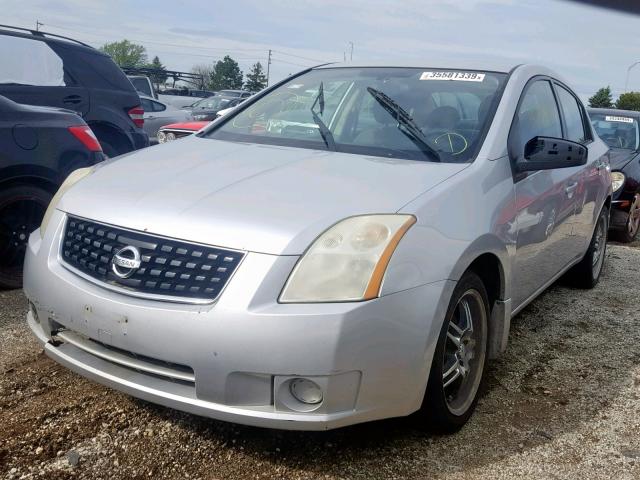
x: 184, y: 98
x: 235, y: 93
x: 316, y: 278
x: 619, y: 129
x: 173, y: 131
x: 158, y: 114
x: 72, y: 75
x: 208, y: 108
x: 39, y: 147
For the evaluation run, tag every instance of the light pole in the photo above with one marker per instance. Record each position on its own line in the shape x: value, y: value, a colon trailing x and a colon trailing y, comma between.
x: 626, y: 82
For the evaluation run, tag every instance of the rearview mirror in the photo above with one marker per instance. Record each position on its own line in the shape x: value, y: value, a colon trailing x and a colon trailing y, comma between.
x: 547, y: 153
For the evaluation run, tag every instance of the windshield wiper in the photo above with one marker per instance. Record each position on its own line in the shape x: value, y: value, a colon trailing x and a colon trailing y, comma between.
x: 325, y: 133
x: 406, y: 124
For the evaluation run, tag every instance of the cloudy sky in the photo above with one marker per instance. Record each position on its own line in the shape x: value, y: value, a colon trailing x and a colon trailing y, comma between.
x: 590, y: 47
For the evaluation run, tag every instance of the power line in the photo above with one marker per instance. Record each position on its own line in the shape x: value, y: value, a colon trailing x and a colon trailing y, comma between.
x: 299, y: 56
x: 220, y: 49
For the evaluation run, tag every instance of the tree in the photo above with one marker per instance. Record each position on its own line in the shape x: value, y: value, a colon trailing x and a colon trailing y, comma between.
x: 126, y: 54
x: 226, y: 75
x: 602, y: 98
x: 629, y: 101
x: 256, y: 79
x: 158, y: 76
x: 206, y: 72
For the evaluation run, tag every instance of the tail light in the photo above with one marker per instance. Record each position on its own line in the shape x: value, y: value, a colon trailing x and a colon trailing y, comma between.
x: 86, y: 137
x: 137, y: 115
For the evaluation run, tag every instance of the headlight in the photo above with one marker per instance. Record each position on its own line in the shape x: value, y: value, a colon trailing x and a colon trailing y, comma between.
x: 162, y: 137
x: 617, y: 180
x: 73, y: 178
x: 348, y: 261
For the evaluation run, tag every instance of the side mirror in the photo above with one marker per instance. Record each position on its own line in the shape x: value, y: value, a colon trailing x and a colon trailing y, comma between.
x: 547, y: 153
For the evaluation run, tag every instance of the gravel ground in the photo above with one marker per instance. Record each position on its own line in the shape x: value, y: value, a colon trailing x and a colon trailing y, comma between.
x: 563, y: 402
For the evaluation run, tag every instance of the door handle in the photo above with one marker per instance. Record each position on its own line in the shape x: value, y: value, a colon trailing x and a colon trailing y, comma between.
x: 570, y: 189
x: 73, y: 99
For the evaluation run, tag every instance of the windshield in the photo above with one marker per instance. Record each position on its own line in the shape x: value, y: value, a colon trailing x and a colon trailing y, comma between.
x: 409, y: 113
x: 617, y: 131
x: 211, y: 103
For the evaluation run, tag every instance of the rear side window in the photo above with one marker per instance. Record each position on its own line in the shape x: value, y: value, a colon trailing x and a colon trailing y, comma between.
x: 538, y: 114
x: 29, y: 62
x: 158, y: 107
x: 572, y: 115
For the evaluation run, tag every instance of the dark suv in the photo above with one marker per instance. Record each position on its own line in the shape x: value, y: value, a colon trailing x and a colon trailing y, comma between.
x: 39, y: 147
x: 51, y: 70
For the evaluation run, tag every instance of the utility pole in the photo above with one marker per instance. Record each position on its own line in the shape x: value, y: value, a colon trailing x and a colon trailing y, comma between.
x: 38, y: 25
x: 268, y: 66
x: 351, y: 58
x: 626, y: 82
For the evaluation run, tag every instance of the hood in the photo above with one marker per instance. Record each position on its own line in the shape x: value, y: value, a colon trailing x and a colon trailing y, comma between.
x: 619, y: 157
x: 195, y: 126
x: 258, y: 198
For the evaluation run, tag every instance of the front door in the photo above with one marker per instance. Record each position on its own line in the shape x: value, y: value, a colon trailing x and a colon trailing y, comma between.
x: 545, y: 199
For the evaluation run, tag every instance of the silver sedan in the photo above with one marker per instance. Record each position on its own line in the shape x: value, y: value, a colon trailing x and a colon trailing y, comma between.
x: 158, y: 114
x: 346, y: 246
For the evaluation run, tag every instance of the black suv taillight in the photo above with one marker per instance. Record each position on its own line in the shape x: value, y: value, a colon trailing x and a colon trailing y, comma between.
x: 137, y: 115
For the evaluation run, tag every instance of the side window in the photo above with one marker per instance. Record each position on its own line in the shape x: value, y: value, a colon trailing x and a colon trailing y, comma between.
x: 538, y: 114
x: 158, y: 107
x: 147, y: 105
x: 572, y: 115
x: 30, y: 62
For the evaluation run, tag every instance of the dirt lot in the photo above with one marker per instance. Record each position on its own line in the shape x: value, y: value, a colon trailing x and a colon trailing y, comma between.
x: 564, y: 402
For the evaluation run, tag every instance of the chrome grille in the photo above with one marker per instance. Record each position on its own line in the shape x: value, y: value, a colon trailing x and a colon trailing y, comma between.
x: 169, y: 268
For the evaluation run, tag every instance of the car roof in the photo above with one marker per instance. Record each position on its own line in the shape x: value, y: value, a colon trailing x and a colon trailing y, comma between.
x: 48, y: 38
x: 615, y: 112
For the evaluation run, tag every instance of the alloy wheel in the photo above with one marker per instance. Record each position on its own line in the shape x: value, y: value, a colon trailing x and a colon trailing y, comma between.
x: 464, y: 352
x: 599, y: 245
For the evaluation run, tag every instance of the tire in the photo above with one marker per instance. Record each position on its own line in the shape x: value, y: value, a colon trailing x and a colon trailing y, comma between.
x: 586, y: 274
x: 452, y: 395
x: 632, y: 227
x: 21, y: 210
x: 108, y: 149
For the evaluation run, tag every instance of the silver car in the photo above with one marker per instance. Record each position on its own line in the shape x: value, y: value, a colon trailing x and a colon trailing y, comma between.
x: 364, y: 261
x: 158, y: 114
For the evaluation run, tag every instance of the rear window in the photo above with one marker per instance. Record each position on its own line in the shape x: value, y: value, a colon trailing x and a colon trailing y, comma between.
x: 29, y: 62
x: 141, y: 85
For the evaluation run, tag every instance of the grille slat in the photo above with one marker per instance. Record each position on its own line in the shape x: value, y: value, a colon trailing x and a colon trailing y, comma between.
x: 90, y: 246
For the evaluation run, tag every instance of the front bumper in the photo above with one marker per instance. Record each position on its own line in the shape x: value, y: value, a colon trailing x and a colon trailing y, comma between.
x: 232, y: 360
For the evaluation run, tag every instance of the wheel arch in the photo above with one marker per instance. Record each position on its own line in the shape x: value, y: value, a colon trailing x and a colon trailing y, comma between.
x: 488, y: 258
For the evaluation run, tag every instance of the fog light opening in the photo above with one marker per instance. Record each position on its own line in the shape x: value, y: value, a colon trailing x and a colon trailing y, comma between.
x: 305, y: 391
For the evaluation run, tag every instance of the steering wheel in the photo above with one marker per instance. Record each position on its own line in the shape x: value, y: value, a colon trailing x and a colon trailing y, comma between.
x: 449, y: 142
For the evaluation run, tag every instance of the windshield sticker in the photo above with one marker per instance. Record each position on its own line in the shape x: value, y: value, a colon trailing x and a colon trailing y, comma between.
x: 609, y: 118
x: 458, y: 76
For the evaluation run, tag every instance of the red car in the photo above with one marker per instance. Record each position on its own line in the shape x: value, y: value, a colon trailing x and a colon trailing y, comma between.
x: 178, y: 130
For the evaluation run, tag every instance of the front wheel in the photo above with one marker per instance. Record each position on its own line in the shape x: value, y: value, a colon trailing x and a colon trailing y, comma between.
x: 630, y: 233
x: 21, y: 211
x: 586, y: 274
x: 458, y: 364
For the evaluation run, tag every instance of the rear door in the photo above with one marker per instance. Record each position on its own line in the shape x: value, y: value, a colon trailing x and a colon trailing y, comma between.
x: 34, y: 74
x: 589, y: 194
x: 545, y: 199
